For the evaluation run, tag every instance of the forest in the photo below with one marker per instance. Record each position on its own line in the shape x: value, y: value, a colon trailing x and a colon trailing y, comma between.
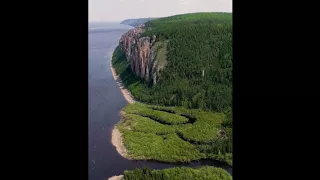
x: 175, y: 134
x: 187, y: 114
x: 198, y: 74
x: 177, y: 173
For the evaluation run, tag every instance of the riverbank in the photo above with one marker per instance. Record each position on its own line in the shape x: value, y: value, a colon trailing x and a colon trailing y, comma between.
x: 120, y: 177
x: 181, y: 133
x: 116, y: 140
x: 127, y: 95
x: 174, y: 134
x: 116, y: 136
x: 167, y: 121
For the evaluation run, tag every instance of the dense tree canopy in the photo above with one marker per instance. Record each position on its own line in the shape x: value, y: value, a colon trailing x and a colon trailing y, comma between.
x: 198, y: 75
x: 203, y: 173
x: 199, y: 69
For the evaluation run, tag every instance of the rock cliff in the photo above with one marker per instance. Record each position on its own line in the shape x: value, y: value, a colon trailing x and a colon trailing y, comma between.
x: 141, y: 53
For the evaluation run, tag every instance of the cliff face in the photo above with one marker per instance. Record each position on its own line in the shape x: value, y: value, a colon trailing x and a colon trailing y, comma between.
x: 140, y: 52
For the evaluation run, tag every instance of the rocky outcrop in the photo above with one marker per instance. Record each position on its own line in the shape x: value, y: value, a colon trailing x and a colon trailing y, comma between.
x: 140, y: 52
x: 153, y: 63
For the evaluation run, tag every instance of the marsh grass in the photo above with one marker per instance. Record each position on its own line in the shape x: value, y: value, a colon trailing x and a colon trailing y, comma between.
x: 151, y: 138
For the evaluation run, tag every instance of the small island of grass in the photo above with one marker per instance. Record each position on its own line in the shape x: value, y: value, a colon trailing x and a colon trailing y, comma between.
x: 175, y: 134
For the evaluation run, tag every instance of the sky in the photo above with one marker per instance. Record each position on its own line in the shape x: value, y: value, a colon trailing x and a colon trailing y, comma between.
x: 118, y: 10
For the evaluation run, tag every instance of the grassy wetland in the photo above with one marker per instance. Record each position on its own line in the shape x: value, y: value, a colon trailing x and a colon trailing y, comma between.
x: 175, y: 134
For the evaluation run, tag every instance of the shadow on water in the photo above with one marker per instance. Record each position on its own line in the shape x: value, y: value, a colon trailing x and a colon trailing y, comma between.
x: 105, y: 103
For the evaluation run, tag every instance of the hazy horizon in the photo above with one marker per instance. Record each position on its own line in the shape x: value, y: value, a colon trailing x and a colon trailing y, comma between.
x: 101, y: 11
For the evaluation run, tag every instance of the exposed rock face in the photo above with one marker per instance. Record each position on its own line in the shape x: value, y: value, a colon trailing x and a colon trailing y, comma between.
x: 153, y: 63
x: 140, y: 53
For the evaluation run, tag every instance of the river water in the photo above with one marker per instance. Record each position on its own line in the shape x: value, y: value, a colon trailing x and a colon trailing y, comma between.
x: 105, y: 102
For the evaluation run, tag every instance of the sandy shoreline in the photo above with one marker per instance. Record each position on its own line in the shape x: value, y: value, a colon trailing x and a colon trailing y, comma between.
x: 117, y: 142
x: 116, y: 136
x: 116, y: 177
x: 127, y: 95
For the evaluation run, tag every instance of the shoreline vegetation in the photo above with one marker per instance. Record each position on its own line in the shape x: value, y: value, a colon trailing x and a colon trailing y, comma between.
x: 127, y: 95
x: 180, y: 119
x: 172, y: 134
x: 196, y: 52
x: 116, y: 136
x: 204, y: 144
x: 150, y: 120
x: 204, y: 172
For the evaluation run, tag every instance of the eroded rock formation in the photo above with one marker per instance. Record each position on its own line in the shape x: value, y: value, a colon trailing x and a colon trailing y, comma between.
x: 140, y: 52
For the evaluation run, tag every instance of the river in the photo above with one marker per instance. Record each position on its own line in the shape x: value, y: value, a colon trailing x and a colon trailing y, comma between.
x: 105, y: 102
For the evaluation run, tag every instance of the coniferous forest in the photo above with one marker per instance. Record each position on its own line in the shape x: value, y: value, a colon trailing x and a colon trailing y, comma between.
x: 203, y: 173
x: 199, y: 69
x: 197, y: 78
